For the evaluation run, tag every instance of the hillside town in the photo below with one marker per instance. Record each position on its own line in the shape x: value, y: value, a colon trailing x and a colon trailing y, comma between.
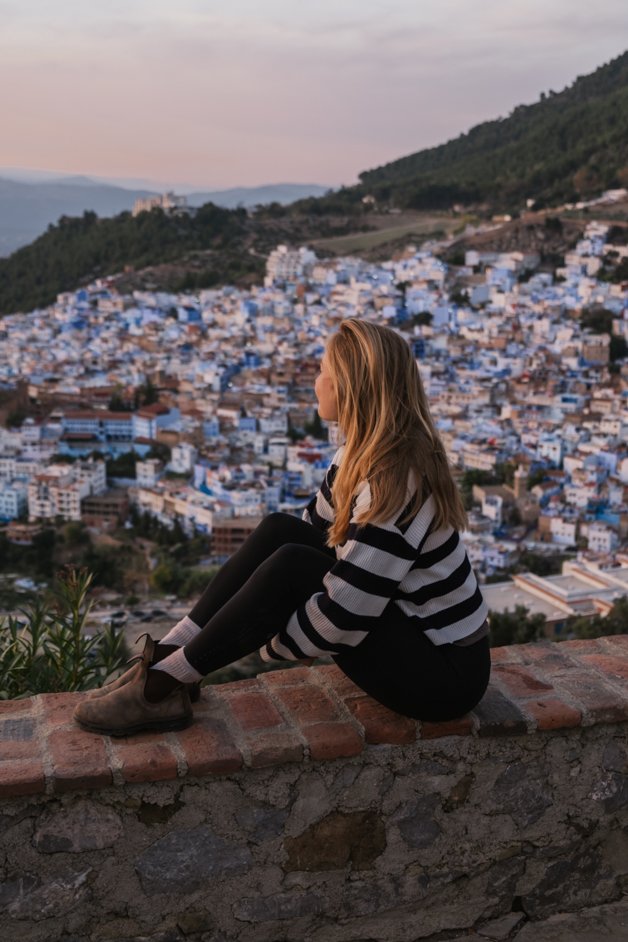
x: 199, y: 409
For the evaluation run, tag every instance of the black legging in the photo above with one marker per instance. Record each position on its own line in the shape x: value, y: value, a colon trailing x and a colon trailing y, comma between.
x: 281, y: 565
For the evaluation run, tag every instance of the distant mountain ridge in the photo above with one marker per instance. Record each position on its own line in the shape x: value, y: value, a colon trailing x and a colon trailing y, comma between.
x: 247, y: 196
x: 566, y: 146
x: 28, y: 208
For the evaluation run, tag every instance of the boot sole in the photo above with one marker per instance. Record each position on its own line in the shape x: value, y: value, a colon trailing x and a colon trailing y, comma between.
x: 161, y: 726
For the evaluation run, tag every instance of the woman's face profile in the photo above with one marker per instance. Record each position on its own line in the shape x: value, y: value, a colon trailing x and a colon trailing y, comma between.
x: 326, y: 394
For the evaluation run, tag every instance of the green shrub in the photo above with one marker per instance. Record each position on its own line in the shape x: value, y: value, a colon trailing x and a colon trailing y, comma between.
x: 50, y: 653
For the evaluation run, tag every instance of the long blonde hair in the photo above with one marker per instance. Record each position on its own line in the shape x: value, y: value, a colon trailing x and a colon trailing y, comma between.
x: 385, y: 418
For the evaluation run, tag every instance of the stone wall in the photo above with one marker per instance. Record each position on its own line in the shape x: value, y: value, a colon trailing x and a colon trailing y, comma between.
x: 298, y: 808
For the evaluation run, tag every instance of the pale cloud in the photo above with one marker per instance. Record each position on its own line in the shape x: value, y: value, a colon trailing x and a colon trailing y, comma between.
x: 251, y: 92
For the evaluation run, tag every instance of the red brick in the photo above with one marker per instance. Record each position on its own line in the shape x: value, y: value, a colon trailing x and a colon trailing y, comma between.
x: 15, y: 706
x: 79, y: 760
x: 59, y: 707
x: 333, y: 740
x: 518, y: 681
x: 274, y: 748
x: 21, y: 777
x: 380, y: 724
x: 307, y: 704
x: 601, y: 703
x: 550, y: 713
x: 286, y: 678
x: 145, y: 758
x: 18, y: 736
x: 208, y: 748
x: 614, y: 667
x: 615, y: 644
x: 341, y: 685
x: 547, y: 656
x: 504, y: 653
x: 460, y: 727
x: 234, y: 686
x: 18, y: 749
x: 254, y: 711
x: 580, y: 645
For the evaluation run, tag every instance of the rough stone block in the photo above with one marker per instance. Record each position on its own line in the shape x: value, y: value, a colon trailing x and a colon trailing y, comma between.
x: 523, y: 792
x: 261, y: 822
x: 281, y: 906
x: 499, y: 929
x: 576, y: 879
x: 76, y: 828
x: 607, y: 923
x: 184, y: 861
x: 416, y: 821
x: 35, y: 898
x: 193, y: 922
x: 358, y: 838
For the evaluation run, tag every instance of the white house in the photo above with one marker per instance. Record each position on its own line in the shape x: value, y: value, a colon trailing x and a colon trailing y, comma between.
x: 601, y: 538
x: 13, y: 499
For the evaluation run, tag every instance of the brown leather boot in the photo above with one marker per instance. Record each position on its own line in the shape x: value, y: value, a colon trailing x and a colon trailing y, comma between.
x: 152, y: 654
x: 126, y: 710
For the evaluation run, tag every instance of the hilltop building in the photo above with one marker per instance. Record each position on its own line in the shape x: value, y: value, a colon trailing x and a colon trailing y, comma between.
x: 170, y: 204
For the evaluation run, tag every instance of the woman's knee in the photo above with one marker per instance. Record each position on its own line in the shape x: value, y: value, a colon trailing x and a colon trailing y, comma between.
x: 282, y: 557
x: 279, y: 528
x: 274, y: 524
x: 295, y: 561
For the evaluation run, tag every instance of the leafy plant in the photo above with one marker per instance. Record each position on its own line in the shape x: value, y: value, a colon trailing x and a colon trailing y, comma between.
x: 50, y: 652
x: 516, y: 627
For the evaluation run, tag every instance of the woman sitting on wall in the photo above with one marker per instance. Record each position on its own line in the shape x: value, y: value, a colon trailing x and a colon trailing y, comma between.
x: 374, y: 574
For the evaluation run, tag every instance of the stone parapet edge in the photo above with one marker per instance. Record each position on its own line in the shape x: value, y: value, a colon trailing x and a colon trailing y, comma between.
x: 306, y: 714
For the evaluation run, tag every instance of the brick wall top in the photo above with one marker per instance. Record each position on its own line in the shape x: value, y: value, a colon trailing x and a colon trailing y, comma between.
x: 306, y: 714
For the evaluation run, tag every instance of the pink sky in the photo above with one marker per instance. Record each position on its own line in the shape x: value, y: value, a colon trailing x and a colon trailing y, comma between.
x: 276, y: 92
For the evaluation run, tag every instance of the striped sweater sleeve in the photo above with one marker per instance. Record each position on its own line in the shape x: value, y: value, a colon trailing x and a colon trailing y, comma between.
x: 320, y: 512
x: 370, y: 565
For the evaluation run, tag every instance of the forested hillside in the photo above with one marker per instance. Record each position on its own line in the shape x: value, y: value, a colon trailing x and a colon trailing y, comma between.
x: 567, y: 146
x: 155, y: 251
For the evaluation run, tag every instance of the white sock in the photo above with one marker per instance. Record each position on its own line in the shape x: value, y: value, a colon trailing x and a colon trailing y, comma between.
x: 182, y: 632
x: 178, y: 666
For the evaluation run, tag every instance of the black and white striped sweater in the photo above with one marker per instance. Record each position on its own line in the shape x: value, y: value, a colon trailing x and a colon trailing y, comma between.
x: 425, y: 572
